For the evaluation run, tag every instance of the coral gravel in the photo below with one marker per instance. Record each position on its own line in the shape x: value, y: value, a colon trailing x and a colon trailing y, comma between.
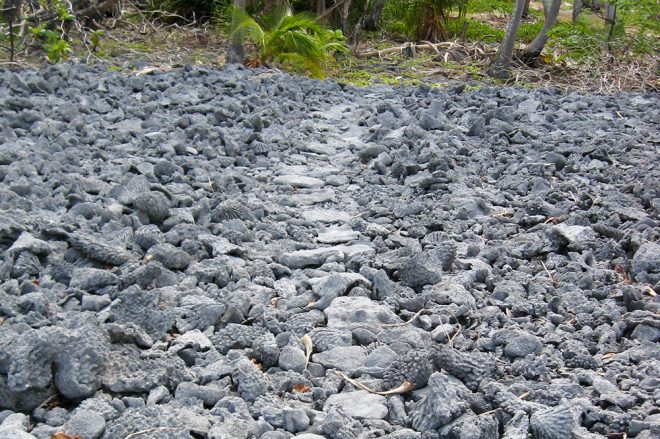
x: 460, y: 263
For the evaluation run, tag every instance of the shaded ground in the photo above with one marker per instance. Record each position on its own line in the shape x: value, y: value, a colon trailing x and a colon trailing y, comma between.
x: 135, y: 41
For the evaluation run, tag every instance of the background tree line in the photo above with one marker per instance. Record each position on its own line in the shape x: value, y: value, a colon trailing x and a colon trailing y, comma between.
x: 302, y: 34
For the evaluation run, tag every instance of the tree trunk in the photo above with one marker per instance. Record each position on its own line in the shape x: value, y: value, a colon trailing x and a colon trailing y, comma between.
x: 355, y: 37
x: 499, y: 68
x: 12, y: 13
x: 526, y: 9
x: 373, y: 20
x: 536, y: 46
x: 236, y: 50
x: 577, y: 8
x: 346, y: 7
x: 12, y: 10
x: 320, y: 7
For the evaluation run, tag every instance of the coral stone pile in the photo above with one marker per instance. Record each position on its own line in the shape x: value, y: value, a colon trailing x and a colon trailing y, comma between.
x: 245, y: 254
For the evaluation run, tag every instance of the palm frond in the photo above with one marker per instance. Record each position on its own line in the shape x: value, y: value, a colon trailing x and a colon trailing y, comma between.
x: 274, y: 17
x: 297, y: 41
x: 246, y: 27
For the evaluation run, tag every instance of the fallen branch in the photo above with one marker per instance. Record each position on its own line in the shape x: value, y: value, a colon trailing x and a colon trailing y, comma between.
x: 396, y: 325
x: 92, y: 12
x: 407, y: 46
x: 407, y: 386
x: 552, y: 279
x: 330, y: 9
x: 307, y: 342
x: 149, y: 430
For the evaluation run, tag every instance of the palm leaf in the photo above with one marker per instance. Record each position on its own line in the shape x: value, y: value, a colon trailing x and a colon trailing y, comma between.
x: 298, y: 41
x: 246, y: 27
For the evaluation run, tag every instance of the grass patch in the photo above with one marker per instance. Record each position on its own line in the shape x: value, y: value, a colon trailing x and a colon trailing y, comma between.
x: 475, y: 30
x: 480, y: 6
x: 528, y: 31
x: 366, y: 77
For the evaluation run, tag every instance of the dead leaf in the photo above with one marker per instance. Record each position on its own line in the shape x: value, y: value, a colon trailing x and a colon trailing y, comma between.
x: 36, y: 282
x: 257, y: 364
x: 301, y: 388
x: 649, y: 290
x: 405, y: 387
x: 620, y: 269
x: 307, y: 342
x: 609, y: 356
x: 60, y: 435
x: 147, y: 70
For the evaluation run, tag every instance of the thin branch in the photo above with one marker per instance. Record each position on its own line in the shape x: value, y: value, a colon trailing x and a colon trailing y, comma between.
x: 149, y: 430
x: 552, y: 279
x: 396, y: 325
x: 330, y: 9
x: 405, y: 387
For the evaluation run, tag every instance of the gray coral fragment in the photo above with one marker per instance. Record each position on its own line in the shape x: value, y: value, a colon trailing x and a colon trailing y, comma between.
x: 440, y: 405
x: 553, y: 423
x: 96, y: 248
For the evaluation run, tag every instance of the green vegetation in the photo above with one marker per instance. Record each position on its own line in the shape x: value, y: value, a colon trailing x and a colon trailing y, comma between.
x: 479, y: 6
x: 639, y: 22
x: 635, y: 32
x: 187, y: 9
x: 296, y: 41
x: 179, y: 32
x: 53, y: 41
x: 54, y: 44
x: 422, y: 19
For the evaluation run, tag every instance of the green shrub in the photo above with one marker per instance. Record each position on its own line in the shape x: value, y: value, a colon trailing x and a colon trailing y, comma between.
x: 187, y: 9
x: 528, y: 31
x: 295, y: 41
x: 474, y: 31
x: 639, y: 25
x: 53, y: 43
x: 422, y: 19
x: 478, y: 6
x: 578, y: 39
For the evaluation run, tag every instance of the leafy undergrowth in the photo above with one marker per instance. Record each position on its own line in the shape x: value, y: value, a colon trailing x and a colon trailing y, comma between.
x: 139, y: 43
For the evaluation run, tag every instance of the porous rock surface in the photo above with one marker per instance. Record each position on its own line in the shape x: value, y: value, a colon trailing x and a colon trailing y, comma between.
x: 167, y: 240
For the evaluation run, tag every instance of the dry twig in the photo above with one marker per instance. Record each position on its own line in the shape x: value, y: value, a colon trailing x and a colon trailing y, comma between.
x: 552, y: 279
x: 412, y: 319
x: 403, y: 388
x: 149, y: 430
x: 307, y: 342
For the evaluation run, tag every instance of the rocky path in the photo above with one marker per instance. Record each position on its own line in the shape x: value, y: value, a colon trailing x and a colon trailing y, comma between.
x: 241, y: 254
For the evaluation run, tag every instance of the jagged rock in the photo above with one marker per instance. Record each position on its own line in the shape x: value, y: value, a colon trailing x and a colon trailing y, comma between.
x: 95, y: 248
x: 440, y: 405
x: 646, y: 263
x: 348, y: 313
x: 553, y: 423
x: 231, y: 209
x: 143, y: 308
x: 130, y: 188
x: 359, y: 404
x: 298, y: 181
x: 170, y: 256
x: 415, y: 367
x: 346, y: 358
x: 91, y: 279
x: 469, y: 368
x: 154, y: 205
